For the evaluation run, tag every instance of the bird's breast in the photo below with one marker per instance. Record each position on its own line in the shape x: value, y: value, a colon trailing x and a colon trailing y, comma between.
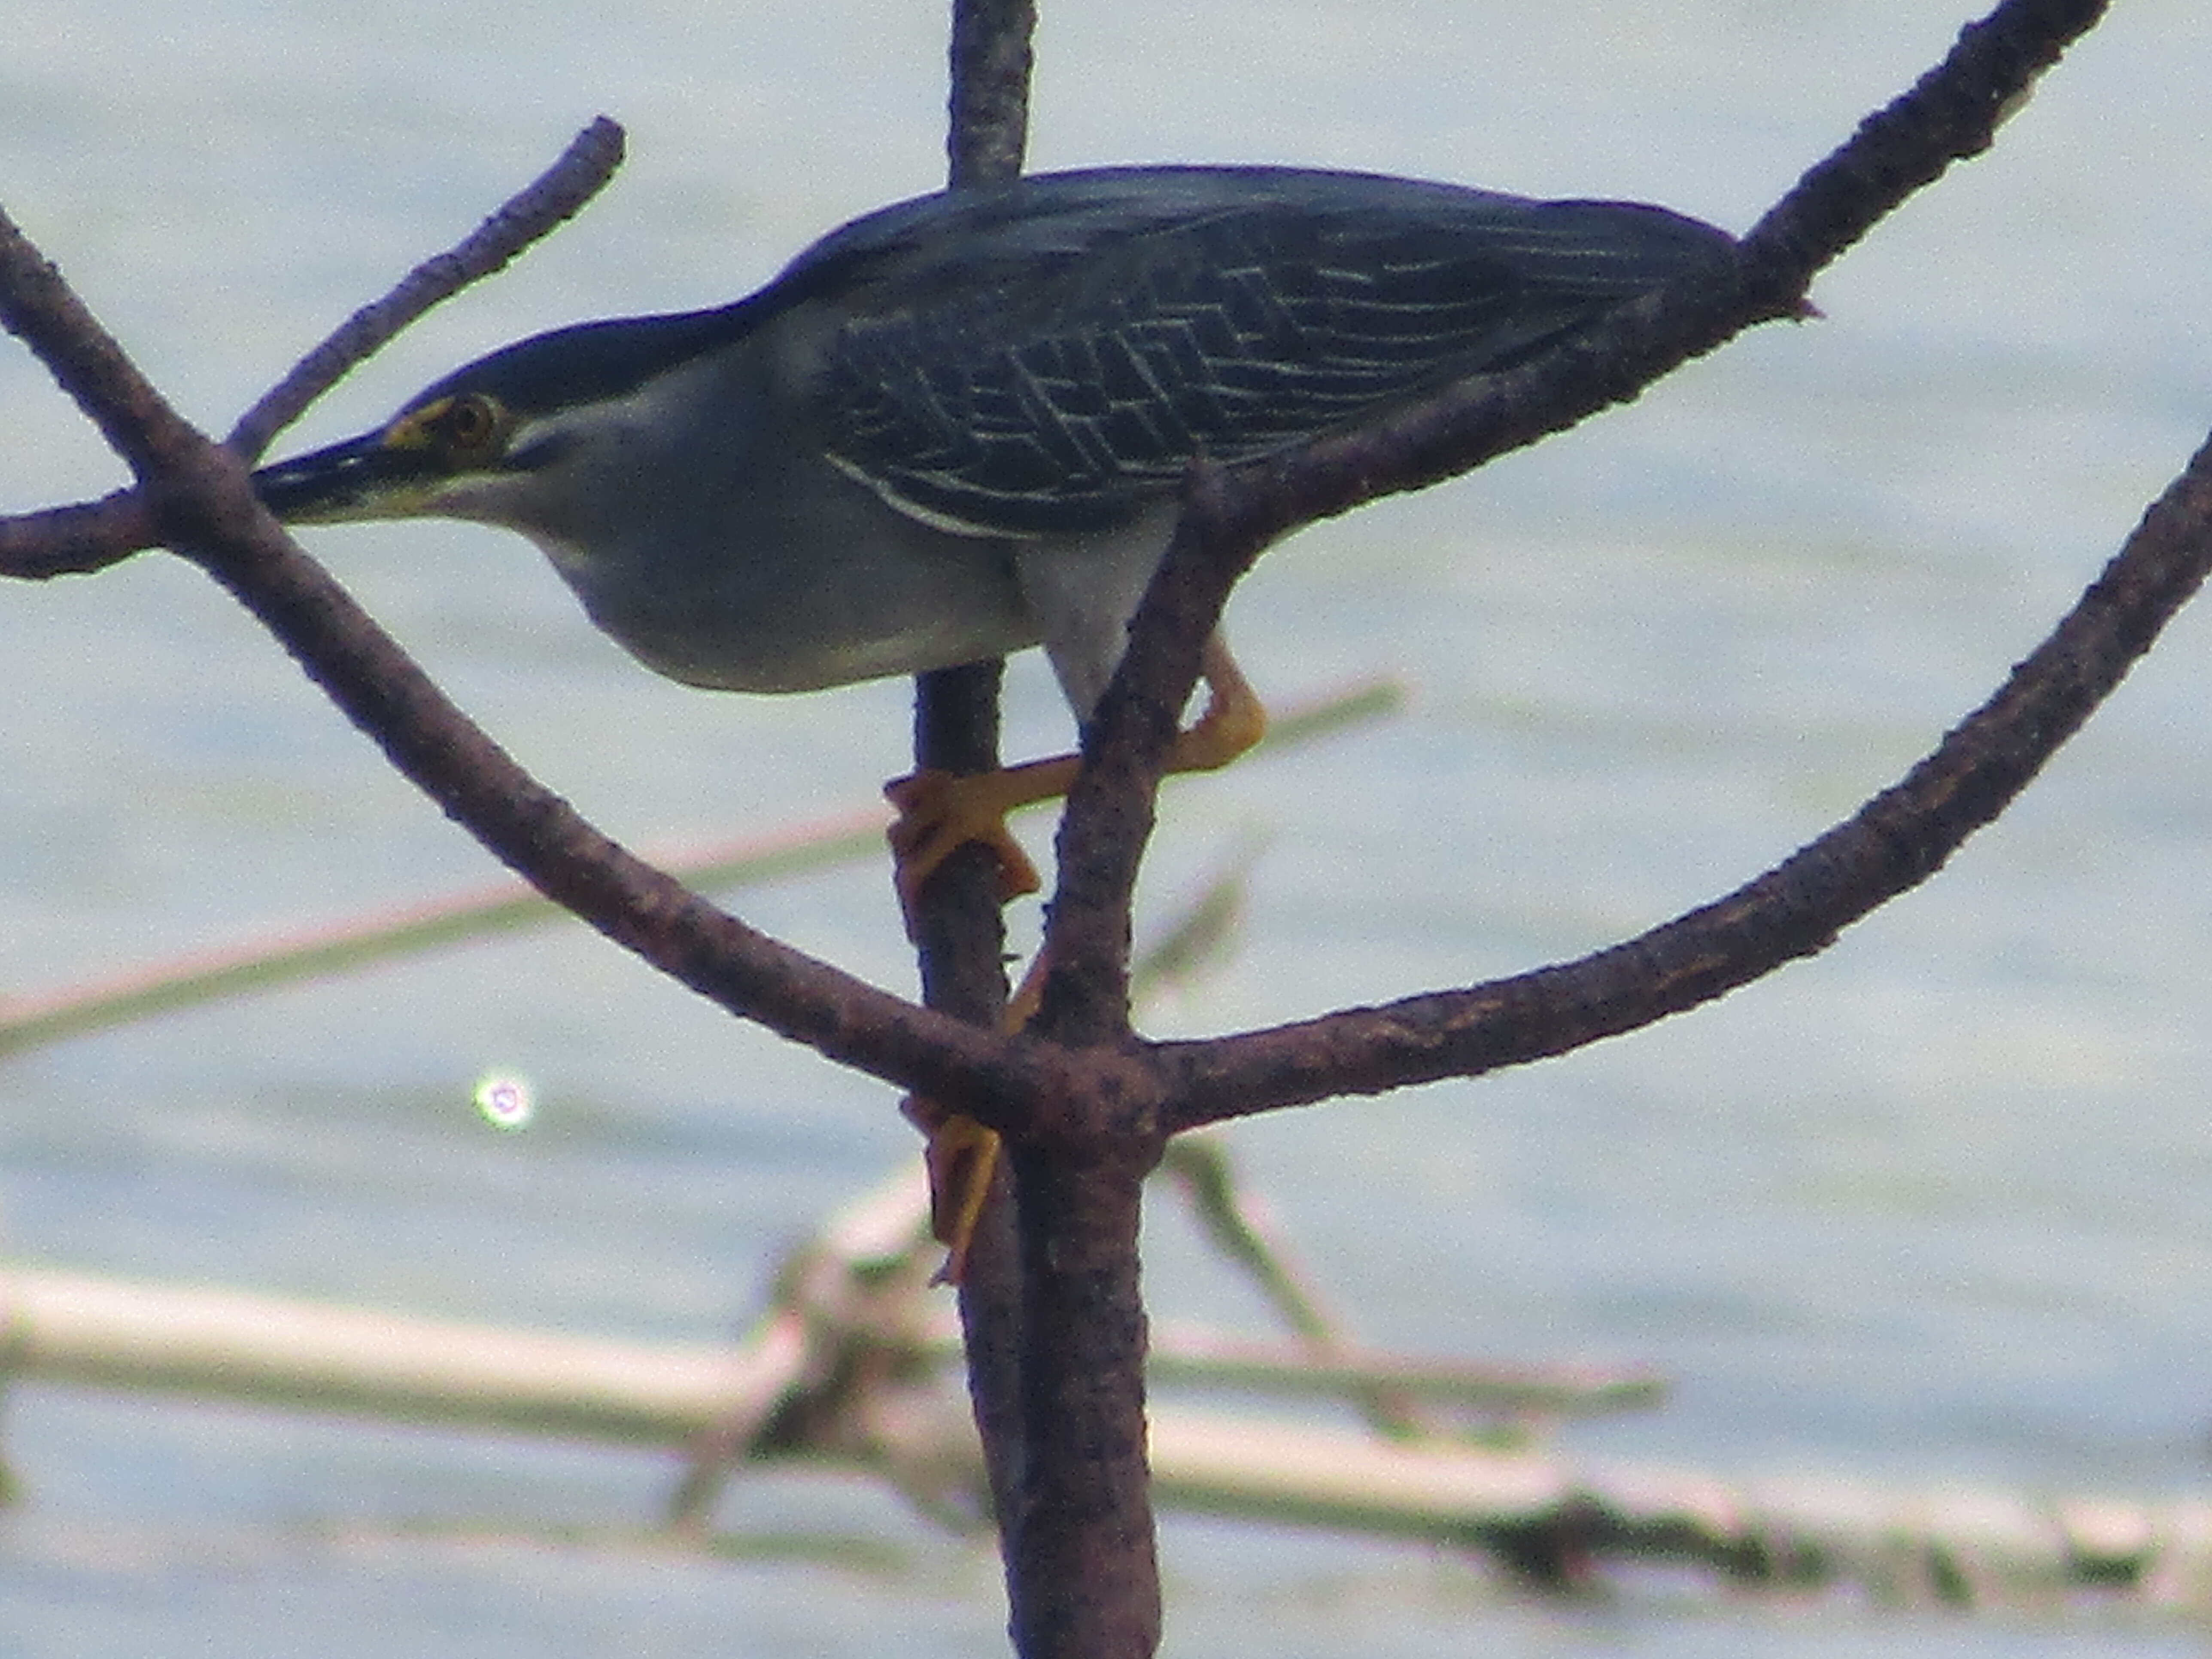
x: 796, y: 581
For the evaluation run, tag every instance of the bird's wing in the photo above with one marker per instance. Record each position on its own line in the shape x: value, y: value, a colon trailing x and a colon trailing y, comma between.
x: 1069, y: 367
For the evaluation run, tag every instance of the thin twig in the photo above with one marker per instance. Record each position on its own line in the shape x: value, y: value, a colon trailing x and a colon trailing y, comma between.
x: 531, y: 214
x: 77, y: 539
x: 961, y: 931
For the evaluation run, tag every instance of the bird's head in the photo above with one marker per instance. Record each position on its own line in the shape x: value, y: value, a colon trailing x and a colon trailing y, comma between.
x: 489, y: 439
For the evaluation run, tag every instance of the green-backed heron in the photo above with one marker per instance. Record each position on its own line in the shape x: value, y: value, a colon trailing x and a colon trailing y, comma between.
x: 957, y: 427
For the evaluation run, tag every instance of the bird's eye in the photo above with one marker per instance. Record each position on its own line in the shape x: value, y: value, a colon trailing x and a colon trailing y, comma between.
x: 470, y: 426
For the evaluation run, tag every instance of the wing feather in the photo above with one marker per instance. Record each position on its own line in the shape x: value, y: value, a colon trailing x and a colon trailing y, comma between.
x: 1047, y: 359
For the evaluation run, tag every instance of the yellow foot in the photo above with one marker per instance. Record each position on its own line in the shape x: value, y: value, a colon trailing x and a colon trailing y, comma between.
x: 962, y: 1157
x: 939, y: 811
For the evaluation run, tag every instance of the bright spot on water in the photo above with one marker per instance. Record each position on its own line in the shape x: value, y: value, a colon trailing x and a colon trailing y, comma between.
x: 504, y: 1100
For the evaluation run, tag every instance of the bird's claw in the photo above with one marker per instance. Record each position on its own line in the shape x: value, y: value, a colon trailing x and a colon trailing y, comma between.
x: 962, y: 1157
x: 940, y: 811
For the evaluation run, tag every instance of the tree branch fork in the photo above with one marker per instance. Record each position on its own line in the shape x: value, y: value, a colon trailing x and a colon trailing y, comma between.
x: 1079, y: 1082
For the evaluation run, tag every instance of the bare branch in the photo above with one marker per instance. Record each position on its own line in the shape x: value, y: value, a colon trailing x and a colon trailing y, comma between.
x: 1896, y: 841
x: 77, y: 539
x: 533, y: 213
x: 1054, y: 1313
x: 1229, y: 517
x: 990, y: 101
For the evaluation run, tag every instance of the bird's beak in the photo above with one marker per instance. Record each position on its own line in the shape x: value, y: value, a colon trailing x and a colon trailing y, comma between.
x: 364, y: 477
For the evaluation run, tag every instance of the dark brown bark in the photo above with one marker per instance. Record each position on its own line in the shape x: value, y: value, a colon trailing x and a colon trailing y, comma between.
x: 1086, y: 1573
x: 960, y: 931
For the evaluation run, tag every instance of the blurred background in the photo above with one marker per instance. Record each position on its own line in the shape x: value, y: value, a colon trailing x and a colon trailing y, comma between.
x: 1931, y: 1208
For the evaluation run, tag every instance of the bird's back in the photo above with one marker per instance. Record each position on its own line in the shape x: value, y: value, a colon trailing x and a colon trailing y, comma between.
x: 1039, y: 358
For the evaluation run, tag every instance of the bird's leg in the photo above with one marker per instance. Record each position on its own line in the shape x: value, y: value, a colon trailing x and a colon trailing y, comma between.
x: 939, y: 811
x: 962, y: 1155
x: 1233, y: 722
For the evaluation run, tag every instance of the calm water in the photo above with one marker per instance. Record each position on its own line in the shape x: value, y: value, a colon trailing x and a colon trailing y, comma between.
x: 1931, y: 1208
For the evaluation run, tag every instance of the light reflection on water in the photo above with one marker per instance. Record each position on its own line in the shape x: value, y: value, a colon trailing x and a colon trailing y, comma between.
x: 1928, y: 1206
